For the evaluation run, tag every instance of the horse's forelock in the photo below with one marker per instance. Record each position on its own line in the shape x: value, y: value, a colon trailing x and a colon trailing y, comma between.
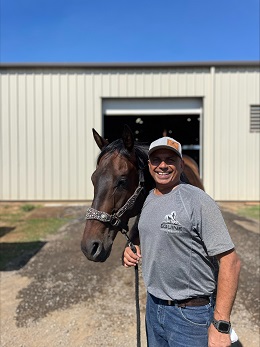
x: 118, y: 145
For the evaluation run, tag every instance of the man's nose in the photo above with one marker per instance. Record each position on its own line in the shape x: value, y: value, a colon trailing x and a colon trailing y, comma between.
x: 163, y: 164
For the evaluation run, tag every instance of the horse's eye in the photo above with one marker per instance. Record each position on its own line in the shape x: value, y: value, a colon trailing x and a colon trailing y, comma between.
x: 122, y: 183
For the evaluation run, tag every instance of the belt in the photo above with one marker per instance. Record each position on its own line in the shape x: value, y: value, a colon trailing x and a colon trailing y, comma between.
x: 198, y: 301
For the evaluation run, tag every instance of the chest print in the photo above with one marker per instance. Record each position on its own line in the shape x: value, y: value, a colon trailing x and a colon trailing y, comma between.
x: 170, y: 224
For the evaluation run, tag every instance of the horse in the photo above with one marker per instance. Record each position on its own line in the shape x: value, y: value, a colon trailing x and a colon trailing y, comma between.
x: 121, y: 184
x: 191, y: 173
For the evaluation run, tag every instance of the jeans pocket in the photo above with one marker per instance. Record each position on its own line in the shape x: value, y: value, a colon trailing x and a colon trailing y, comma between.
x: 197, y: 315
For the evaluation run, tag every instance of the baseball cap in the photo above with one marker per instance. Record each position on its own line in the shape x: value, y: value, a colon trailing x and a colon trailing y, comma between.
x: 166, y: 143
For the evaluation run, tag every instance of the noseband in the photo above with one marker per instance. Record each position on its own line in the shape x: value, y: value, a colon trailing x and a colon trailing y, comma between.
x: 115, y: 218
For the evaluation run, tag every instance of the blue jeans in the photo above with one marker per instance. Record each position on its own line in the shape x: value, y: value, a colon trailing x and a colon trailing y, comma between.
x: 173, y: 326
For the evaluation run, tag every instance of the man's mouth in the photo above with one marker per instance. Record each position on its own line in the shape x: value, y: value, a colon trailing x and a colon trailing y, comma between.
x: 163, y: 173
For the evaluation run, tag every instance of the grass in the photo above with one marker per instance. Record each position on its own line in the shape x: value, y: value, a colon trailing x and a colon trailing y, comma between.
x: 252, y: 212
x: 37, y: 229
x: 22, y: 235
x: 28, y: 207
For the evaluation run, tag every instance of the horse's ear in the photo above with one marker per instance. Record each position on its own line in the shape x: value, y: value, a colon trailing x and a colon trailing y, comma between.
x: 128, y: 138
x: 100, y: 141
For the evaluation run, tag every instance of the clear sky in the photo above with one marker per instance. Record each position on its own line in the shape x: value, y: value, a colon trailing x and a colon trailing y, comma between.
x: 129, y: 31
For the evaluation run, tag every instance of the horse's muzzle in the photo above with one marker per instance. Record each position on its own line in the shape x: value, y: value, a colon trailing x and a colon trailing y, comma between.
x: 95, y: 251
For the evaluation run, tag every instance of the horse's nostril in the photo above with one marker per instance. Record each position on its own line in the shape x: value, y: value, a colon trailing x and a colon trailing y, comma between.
x: 94, y: 248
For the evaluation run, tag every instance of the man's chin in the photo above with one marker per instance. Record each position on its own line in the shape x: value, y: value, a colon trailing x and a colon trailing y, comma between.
x: 163, y: 178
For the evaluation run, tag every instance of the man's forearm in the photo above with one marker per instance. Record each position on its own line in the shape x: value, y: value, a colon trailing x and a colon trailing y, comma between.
x: 229, y: 269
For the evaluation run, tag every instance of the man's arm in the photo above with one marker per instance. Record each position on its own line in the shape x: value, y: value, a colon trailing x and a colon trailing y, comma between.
x: 134, y: 232
x: 229, y: 269
x: 134, y: 238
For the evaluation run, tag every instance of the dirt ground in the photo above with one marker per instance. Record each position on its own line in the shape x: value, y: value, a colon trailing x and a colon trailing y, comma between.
x: 59, y: 298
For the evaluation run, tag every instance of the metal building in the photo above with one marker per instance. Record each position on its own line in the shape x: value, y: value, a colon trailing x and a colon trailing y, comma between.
x: 47, y: 112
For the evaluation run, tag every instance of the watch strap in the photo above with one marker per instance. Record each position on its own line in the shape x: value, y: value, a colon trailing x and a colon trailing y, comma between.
x: 222, y: 325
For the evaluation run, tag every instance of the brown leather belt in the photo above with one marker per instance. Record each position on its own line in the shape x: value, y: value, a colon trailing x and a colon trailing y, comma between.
x: 198, y: 301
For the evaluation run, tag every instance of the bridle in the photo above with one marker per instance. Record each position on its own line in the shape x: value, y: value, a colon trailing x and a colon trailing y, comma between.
x: 115, y: 219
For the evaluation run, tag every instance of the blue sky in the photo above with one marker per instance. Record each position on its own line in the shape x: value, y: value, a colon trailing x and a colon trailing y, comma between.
x: 128, y: 31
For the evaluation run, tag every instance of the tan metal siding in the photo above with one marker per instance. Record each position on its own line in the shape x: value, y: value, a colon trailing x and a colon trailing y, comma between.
x: 47, y: 148
x: 43, y: 136
x: 236, y: 149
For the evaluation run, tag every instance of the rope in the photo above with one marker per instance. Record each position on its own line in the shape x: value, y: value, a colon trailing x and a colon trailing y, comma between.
x: 138, y: 318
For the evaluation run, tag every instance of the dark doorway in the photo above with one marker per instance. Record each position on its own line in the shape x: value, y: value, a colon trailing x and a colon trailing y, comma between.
x: 183, y: 128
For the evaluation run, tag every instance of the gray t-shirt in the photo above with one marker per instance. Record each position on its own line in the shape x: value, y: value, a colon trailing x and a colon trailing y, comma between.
x: 180, y: 233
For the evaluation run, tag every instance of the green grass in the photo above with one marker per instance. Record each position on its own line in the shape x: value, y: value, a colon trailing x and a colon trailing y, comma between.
x: 40, y: 228
x: 11, y: 218
x: 13, y: 215
x: 28, y: 207
x: 23, y: 236
x: 250, y: 212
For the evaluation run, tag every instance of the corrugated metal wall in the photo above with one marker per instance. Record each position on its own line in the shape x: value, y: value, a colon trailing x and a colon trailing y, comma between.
x: 236, y: 150
x: 46, y: 147
x: 46, y: 150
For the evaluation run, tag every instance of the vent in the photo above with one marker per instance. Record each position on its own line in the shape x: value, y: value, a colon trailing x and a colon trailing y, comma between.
x: 255, y: 119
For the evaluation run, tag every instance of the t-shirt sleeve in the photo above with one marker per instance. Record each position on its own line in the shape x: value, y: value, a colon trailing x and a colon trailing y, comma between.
x: 211, y: 226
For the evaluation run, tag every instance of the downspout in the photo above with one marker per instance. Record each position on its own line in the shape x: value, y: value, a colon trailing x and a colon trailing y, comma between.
x: 212, y: 73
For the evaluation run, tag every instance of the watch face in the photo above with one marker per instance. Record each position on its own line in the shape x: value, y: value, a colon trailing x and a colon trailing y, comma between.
x: 224, y: 327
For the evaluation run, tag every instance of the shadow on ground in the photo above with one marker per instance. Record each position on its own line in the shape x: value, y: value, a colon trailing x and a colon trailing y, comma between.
x: 15, y: 255
x: 5, y: 230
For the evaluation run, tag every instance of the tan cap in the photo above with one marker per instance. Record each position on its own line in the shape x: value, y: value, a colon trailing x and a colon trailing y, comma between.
x: 166, y: 143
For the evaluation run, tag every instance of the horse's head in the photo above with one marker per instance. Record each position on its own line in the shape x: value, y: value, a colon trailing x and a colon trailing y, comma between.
x: 115, y: 180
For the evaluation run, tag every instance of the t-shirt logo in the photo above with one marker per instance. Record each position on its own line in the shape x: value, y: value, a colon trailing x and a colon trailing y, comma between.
x: 170, y: 224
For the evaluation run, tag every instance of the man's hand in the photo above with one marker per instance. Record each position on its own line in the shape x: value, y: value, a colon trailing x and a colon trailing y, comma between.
x: 217, y: 339
x: 130, y: 258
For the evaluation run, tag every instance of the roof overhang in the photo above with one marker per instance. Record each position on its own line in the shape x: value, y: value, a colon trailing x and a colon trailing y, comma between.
x: 132, y: 65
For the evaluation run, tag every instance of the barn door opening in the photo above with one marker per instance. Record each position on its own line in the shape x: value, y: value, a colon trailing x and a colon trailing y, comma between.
x: 184, y: 128
x: 151, y: 118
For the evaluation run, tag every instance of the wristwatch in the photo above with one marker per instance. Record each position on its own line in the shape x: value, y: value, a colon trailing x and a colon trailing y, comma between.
x: 222, y: 326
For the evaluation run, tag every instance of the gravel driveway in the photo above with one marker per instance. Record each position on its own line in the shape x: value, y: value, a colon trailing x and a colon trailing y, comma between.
x: 59, y: 298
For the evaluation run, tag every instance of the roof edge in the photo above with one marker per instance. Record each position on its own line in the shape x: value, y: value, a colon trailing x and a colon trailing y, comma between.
x: 119, y: 65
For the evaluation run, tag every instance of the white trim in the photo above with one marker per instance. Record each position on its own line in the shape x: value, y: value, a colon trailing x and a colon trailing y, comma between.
x: 151, y: 112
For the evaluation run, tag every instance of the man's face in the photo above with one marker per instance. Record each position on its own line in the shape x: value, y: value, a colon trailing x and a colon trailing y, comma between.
x: 165, y: 167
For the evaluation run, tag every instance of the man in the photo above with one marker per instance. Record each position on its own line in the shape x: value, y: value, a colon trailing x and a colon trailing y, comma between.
x: 182, y: 234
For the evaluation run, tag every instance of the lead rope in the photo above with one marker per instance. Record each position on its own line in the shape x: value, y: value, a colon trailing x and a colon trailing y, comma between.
x: 133, y: 248
x: 137, y: 306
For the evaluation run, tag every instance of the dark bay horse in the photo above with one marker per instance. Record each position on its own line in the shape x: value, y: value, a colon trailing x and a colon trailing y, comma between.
x: 121, y: 183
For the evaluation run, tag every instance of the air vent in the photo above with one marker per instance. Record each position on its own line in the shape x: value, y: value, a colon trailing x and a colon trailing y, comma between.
x: 254, y: 118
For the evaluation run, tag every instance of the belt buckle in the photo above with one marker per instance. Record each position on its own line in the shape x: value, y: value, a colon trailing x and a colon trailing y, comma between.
x: 171, y: 302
